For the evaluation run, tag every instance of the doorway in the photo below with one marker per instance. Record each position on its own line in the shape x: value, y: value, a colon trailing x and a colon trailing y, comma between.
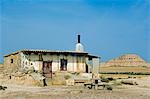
x: 86, y: 69
x: 47, y: 69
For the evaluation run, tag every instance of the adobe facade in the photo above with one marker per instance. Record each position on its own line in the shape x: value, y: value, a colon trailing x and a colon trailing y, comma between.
x: 47, y: 61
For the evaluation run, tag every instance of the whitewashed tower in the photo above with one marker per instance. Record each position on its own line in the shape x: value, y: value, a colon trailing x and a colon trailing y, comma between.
x: 79, y: 46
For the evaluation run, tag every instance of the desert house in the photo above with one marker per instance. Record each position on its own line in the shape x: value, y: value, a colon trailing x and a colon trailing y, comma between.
x: 48, y: 62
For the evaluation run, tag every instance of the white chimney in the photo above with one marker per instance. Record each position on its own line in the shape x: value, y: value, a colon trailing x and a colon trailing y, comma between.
x: 79, y: 46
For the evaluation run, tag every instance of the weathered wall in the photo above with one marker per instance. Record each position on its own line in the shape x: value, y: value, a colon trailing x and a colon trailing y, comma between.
x: 1, y: 68
x: 26, y: 60
x: 75, y: 63
x: 12, y: 63
x: 95, y: 65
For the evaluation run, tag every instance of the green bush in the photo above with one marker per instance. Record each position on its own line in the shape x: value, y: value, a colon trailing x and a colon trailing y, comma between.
x: 67, y: 77
x: 104, y: 80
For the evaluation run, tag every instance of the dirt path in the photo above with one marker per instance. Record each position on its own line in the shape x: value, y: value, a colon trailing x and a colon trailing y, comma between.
x: 141, y: 91
x: 75, y: 92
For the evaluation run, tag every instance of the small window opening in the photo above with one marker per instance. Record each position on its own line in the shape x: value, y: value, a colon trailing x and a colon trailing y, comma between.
x: 26, y: 63
x: 12, y: 60
x: 63, y: 64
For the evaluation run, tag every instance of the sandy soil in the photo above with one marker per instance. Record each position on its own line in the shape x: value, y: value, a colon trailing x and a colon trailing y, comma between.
x: 141, y: 91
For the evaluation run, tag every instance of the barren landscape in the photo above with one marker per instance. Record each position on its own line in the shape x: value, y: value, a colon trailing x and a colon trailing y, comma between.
x: 123, y: 91
x: 74, y: 49
x: 135, y: 69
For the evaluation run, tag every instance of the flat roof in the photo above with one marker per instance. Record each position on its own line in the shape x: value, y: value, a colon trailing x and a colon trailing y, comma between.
x: 46, y: 51
x: 93, y: 56
x: 52, y: 52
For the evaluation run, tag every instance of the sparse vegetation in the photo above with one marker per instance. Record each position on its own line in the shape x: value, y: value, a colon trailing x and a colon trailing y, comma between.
x: 109, y: 87
x: 75, y: 73
x: 129, y: 73
x: 117, y: 83
x: 129, y: 82
x: 110, y: 78
x: 3, y: 87
x: 67, y: 77
x: 104, y: 79
x: 81, y: 91
x: 132, y: 70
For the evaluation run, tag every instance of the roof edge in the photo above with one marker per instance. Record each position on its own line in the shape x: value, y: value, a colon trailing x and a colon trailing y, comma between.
x: 44, y: 51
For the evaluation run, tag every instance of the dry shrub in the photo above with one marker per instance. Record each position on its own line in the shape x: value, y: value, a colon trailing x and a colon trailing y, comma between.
x: 104, y: 79
x: 81, y: 91
x: 129, y: 82
x: 117, y: 83
x: 110, y: 78
x: 67, y: 77
x: 109, y: 87
x: 3, y: 87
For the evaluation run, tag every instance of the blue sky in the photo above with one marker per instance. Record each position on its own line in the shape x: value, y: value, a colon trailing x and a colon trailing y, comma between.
x: 108, y: 28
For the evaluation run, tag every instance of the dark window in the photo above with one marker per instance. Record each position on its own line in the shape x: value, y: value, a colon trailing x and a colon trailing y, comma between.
x: 40, y: 57
x: 63, y: 64
x: 87, y: 69
x: 12, y: 60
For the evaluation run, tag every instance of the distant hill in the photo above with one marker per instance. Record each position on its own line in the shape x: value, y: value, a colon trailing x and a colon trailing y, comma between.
x: 126, y: 60
x: 125, y: 63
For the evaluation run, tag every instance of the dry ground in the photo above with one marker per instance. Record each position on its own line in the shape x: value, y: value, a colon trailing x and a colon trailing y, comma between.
x: 135, y: 69
x: 125, y: 76
x: 141, y: 91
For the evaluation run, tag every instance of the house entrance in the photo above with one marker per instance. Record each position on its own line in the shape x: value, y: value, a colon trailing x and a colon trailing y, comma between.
x: 87, y: 69
x: 47, y: 69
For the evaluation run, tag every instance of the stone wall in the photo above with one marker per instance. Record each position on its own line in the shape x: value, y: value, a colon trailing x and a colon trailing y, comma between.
x: 12, y: 62
x: 1, y: 68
